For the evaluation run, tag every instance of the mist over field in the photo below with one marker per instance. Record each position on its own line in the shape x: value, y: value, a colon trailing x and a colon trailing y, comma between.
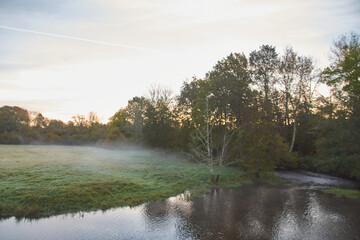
x: 44, y: 180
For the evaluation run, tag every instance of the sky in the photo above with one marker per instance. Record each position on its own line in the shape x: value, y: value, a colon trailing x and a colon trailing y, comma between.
x: 68, y: 57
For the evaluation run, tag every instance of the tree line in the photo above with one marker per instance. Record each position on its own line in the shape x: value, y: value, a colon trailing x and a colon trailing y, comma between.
x: 260, y: 112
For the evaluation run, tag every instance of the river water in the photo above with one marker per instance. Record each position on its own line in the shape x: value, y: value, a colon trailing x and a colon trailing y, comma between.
x: 295, y: 210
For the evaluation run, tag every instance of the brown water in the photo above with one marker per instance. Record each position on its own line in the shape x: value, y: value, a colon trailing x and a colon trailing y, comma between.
x: 296, y: 210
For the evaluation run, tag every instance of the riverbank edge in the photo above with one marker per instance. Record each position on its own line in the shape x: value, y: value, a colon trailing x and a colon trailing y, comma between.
x: 200, y: 188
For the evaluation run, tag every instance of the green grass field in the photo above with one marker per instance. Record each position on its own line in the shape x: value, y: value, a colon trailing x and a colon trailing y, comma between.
x: 39, y: 181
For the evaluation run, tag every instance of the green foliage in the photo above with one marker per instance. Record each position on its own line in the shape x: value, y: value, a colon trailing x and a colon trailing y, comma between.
x: 215, y: 106
x: 119, y: 125
x: 14, y: 122
x: 343, y: 74
x: 338, y: 151
x: 193, y: 97
x: 229, y: 85
x: 261, y: 148
x: 159, y: 124
x: 13, y: 119
x: 136, y: 113
x: 264, y: 64
x: 307, y: 133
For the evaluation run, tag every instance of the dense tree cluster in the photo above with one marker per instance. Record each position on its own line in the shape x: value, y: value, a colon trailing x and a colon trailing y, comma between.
x: 258, y: 113
x: 19, y: 126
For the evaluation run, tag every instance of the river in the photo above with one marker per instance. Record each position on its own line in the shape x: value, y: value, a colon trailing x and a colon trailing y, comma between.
x: 294, y: 210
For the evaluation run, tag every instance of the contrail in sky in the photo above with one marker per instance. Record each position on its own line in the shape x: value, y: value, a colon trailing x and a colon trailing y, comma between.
x: 77, y: 38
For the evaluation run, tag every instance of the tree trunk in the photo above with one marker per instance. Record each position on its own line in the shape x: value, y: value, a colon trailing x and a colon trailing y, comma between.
x: 287, y: 108
x: 212, y: 174
x: 293, y: 136
x: 214, y: 179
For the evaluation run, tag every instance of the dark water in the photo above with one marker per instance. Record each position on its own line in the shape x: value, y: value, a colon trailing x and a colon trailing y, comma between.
x: 296, y: 210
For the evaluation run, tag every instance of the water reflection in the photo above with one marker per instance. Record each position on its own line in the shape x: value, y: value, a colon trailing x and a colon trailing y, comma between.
x: 317, y: 179
x: 249, y: 212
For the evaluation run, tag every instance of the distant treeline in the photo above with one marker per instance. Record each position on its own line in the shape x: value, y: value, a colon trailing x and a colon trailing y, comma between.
x: 259, y: 112
x: 19, y: 126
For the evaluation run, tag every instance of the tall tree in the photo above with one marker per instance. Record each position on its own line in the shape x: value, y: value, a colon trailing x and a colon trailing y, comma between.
x: 264, y: 64
x: 159, y: 124
x: 229, y: 83
x: 218, y: 105
x: 300, y: 97
x: 338, y: 150
x: 343, y: 74
x: 296, y: 83
x: 229, y: 86
x: 135, y: 114
x: 288, y: 65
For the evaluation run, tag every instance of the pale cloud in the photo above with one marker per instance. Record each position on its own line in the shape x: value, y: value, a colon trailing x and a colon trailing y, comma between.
x: 62, y: 68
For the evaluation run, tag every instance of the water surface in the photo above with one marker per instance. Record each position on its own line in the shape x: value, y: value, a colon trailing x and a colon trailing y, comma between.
x: 296, y: 210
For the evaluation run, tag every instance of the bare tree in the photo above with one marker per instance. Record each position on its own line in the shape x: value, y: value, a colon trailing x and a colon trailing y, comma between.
x: 160, y: 94
x: 287, y: 69
x: 203, y: 134
x: 79, y: 120
x: 93, y: 118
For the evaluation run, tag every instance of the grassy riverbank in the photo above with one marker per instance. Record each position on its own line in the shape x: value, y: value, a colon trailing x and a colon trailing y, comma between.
x: 354, y: 194
x: 38, y: 181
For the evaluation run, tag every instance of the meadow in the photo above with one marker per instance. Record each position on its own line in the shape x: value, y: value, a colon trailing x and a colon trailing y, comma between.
x: 39, y: 181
